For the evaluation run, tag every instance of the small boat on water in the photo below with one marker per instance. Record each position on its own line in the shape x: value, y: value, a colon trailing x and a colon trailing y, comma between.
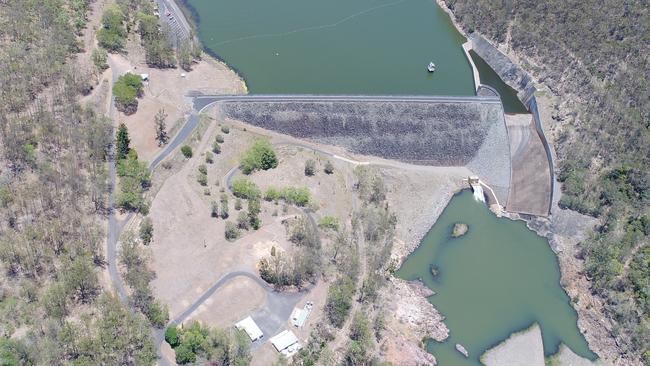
x: 431, y: 67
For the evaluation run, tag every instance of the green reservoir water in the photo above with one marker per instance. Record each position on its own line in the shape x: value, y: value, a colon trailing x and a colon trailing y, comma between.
x: 497, y: 279
x: 511, y: 103
x: 336, y: 46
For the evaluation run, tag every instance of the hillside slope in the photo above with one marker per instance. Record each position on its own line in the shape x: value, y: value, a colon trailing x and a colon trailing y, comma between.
x: 594, y: 56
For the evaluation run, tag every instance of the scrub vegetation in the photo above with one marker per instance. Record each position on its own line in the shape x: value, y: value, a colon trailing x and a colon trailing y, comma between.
x: 135, y: 179
x: 53, y: 191
x: 594, y: 55
x: 197, y: 344
x: 360, y: 255
x: 156, y: 38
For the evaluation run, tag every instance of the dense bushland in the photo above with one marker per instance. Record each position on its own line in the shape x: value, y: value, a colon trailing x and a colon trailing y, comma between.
x: 53, y: 193
x: 593, y: 54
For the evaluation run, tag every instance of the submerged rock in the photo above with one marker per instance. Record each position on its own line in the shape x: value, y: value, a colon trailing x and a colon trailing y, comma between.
x: 434, y: 270
x: 461, y: 349
x: 460, y: 229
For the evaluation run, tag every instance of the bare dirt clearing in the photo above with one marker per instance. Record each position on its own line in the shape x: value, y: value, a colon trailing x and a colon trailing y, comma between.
x: 231, y: 303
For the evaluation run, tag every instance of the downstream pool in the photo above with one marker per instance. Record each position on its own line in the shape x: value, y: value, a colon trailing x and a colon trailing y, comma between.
x: 497, y: 279
x: 336, y: 46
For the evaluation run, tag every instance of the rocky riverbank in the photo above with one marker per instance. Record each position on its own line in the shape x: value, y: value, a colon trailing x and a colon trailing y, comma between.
x: 411, y: 319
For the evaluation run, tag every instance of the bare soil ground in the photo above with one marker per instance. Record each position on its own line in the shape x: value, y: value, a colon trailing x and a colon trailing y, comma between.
x: 230, y: 304
x: 189, y: 250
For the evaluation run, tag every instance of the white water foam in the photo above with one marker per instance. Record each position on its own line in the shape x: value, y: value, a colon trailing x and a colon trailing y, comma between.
x: 478, y: 193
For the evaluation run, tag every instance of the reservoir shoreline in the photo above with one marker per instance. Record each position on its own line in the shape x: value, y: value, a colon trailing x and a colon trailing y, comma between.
x: 192, y: 17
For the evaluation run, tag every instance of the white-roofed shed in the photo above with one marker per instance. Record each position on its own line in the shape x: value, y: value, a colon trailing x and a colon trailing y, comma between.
x: 250, y: 327
x: 286, y: 342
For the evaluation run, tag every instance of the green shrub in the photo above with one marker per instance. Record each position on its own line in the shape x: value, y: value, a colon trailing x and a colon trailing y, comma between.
x: 112, y: 35
x: 329, y: 167
x: 216, y: 148
x: 202, y: 179
x: 339, y: 301
x: 242, y: 220
x: 186, y: 150
x: 310, y: 167
x: 126, y: 90
x: 232, y: 231
x: 146, y: 230
x: 225, y: 212
x: 238, y: 204
x: 184, y: 354
x: 259, y: 156
x: 329, y: 222
x: 171, y: 336
x: 219, y: 139
x: 272, y: 194
x: 225, y: 129
x: 100, y: 58
x: 214, y: 209
x: 131, y: 167
x: 203, y: 169
x: 298, y: 196
x: 244, y: 188
x: 157, y: 314
x: 209, y: 158
x: 135, y: 177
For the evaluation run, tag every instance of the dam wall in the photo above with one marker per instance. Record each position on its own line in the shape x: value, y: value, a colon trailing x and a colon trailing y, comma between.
x: 470, y: 133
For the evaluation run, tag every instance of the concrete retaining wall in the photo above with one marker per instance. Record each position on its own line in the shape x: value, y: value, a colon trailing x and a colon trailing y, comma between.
x: 507, y: 70
x: 532, y: 107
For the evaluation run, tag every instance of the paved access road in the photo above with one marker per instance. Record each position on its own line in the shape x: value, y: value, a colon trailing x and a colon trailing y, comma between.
x: 203, y: 101
x: 176, y: 19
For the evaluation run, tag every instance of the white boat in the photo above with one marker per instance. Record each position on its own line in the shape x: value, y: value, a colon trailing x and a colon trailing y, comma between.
x: 431, y: 67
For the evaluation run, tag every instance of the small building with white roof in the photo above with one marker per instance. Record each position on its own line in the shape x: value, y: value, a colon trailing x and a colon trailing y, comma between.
x: 250, y: 327
x: 299, y: 316
x: 286, y: 343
